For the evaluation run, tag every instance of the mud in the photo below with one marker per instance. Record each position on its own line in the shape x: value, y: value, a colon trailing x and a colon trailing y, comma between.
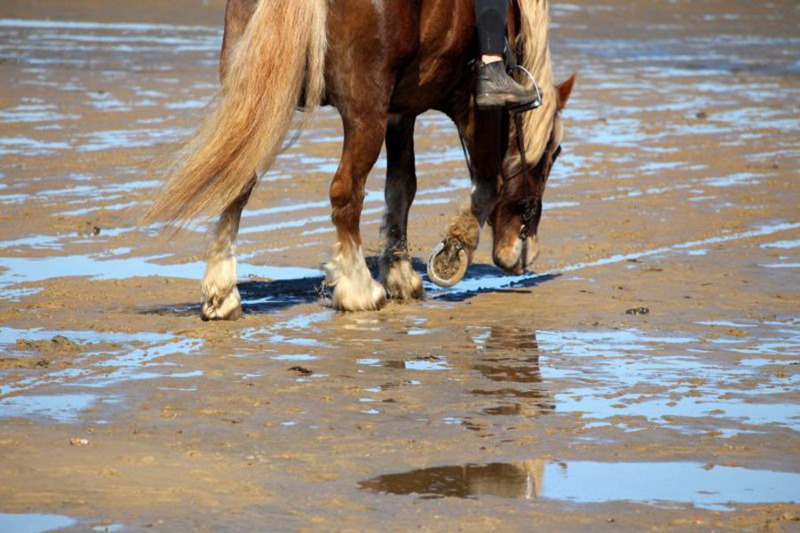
x: 505, y: 403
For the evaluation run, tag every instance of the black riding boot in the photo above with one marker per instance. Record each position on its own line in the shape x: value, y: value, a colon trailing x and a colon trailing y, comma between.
x: 495, y: 88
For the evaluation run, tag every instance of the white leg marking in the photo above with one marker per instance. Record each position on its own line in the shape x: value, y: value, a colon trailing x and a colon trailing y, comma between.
x: 402, y: 282
x: 221, y: 299
x: 353, y: 286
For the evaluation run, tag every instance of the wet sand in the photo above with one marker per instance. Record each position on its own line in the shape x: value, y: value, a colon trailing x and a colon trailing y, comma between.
x: 646, y: 377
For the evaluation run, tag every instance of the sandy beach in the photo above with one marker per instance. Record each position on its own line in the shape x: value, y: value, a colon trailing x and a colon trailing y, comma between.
x: 645, y: 377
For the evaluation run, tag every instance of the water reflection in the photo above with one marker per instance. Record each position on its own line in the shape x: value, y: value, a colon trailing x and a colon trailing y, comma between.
x: 717, y: 487
x: 517, y: 481
x: 510, y: 362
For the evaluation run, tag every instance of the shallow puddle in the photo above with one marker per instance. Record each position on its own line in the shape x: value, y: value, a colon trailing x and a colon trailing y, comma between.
x: 300, y: 330
x: 61, y: 408
x: 423, y: 364
x: 694, y: 484
x: 11, y: 335
x: 33, y: 523
x: 29, y: 269
x: 678, y: 382
x: 726, y: 378
x: 672, y: 137
x: 78, y: 363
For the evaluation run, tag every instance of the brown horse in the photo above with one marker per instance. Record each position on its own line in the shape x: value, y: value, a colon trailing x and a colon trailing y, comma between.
x: 381, y: 63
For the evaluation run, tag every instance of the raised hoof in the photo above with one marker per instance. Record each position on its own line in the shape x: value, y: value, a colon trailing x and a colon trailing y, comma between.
x: 227, y: 308
x: 448, y: 263
x: 401, y: 281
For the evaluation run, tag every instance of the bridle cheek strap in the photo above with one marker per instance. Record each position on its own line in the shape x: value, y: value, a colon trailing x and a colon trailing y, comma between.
x: 530, y: 205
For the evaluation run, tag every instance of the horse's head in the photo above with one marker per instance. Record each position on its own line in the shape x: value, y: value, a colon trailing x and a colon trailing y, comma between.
x: 515, y: 218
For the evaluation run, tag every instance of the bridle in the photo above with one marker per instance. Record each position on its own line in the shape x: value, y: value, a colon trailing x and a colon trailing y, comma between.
x: 532, y: 199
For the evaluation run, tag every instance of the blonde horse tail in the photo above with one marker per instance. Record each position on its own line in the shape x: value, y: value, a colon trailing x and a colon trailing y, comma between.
x: 280, y: 58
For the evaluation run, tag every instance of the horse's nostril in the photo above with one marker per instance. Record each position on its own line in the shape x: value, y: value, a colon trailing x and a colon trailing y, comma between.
x: 511, y: 258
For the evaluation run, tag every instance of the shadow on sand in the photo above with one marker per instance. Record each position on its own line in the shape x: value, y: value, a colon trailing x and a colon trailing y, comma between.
x: 261, y: 297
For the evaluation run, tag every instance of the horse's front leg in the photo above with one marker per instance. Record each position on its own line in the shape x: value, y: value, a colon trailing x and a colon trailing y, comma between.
x: 482, y: 131
x: 353, y: 286
x: 450, y: 259
x: 221, y: 299
x: 399, y: 278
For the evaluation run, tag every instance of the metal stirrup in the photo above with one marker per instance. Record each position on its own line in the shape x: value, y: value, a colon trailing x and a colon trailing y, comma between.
x: 536, y: 103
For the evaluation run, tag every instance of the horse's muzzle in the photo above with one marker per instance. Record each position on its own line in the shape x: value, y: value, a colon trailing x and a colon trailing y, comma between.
x: 518, y: 257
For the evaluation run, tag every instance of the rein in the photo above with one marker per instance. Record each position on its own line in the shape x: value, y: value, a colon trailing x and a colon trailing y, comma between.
x: 532, y: 202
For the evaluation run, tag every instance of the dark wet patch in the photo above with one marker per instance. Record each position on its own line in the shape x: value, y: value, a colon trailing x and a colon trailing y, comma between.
x: 513, y: 409
x: 529, y: 394
x: 23, y: 362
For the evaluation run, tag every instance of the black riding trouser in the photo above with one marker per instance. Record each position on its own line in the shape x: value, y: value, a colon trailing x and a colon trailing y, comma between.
x: 490, y: 18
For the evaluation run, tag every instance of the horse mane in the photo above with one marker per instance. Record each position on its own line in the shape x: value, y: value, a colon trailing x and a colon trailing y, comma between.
x: 532, y: 42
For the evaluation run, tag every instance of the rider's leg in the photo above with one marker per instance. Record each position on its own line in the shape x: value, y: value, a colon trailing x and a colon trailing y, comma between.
x: 490, y: 20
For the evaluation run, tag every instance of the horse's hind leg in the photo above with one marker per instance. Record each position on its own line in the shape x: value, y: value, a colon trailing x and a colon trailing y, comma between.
x: 397, y: 274
x: 354, y: 288
x: 221, y: 299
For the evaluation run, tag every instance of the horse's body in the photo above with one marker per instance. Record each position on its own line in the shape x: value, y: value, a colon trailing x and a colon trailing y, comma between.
x: 384, y: 62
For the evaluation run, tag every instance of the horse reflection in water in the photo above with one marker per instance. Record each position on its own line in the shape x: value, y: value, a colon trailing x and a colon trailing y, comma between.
x: 509, y: 358
x: 521, y: 480
x: 380, y: 63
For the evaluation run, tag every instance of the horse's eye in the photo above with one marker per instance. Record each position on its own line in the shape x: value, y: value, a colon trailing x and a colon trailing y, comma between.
x: 556, y: 153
